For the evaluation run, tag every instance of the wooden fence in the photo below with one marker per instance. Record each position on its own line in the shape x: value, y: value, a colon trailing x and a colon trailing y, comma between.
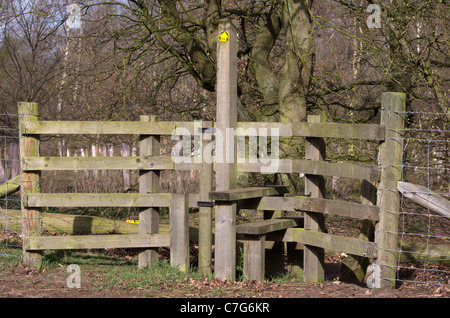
x: 225, y: 199
x: 149, y: 199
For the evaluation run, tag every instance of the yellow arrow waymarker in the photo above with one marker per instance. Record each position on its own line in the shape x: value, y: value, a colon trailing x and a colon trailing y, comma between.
x: 133, y: 221
x: 224, y: 37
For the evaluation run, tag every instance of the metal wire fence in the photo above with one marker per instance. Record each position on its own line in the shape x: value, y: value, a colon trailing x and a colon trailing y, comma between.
x: 10, y: 204
x: 424, y: 214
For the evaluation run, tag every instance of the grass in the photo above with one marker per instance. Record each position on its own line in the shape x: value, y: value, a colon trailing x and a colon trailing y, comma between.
x: 110, y: 270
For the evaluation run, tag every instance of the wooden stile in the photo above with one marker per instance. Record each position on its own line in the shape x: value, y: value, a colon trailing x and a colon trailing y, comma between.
x: 226, y: 199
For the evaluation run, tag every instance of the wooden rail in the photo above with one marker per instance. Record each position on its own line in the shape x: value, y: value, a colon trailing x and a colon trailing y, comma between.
x: 247, y: 193
x: 165, y: 128
x: 331, y: 242
x: 77, y: 242
x: 73, y: 200
x: 318, y: 205
x: 326, y: 168
x: 313, y: 167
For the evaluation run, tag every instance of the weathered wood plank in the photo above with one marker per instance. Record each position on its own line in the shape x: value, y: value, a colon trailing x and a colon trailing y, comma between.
x: 247, y: 193
x: 339, y: 243
x: 333, y: 130
x: 318, y: 205
x: 324, y: 130
x: 337, y: 207
x: 97, y: 200
x: 98, y: 163
x: 331, y: 242
x: 324, y: 168
x: 105, y: 127
x: 96, y: 241
x: 106, y: 163
x: 267, y: 226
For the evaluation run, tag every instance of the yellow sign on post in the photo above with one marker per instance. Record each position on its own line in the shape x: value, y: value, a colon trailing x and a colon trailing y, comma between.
x: 224, y: 37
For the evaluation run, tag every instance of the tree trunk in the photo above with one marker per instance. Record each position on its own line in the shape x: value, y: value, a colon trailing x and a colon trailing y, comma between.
x: 268, y: 82
x: 297, y: 26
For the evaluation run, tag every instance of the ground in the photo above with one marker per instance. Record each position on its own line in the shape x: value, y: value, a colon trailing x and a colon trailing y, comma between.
x: 114, y: 274
x: 17, y: 281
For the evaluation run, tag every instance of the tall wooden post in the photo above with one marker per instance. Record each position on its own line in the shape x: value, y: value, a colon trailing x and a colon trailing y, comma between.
x: 149, y: 183
x: 31, y: 218
x: 205, y: 214
x: 226, y: 117
x: 390, y: 157
x: 315, y: 186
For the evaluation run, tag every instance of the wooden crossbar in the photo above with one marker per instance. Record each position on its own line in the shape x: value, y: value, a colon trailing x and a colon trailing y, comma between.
x: 71, y: 200
x: 105, y: 163
x: 315, y: 167
x: 96, y: 241
x: 331, y: 130
x: 327, y: 241
x: 267, y: 226
x: 106, y: 128
x: 327, y: 206
x: 324, y: 130
x: 247, y: 193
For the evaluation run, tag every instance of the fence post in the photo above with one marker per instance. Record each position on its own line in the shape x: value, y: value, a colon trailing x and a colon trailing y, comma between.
x: 149, y: 183
x: 315, y: 186
x: 29, y: 147
x: 179, y: 231
x: 205, y: 213
x: 390, y: 159
x: 226, y: 117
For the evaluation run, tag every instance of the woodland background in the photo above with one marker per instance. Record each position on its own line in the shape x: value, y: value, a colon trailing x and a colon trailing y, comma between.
x: 123, y: 59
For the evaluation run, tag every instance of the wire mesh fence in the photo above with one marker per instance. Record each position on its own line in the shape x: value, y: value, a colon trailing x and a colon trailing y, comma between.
x: 423, y: 255
x: 10, y: 204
